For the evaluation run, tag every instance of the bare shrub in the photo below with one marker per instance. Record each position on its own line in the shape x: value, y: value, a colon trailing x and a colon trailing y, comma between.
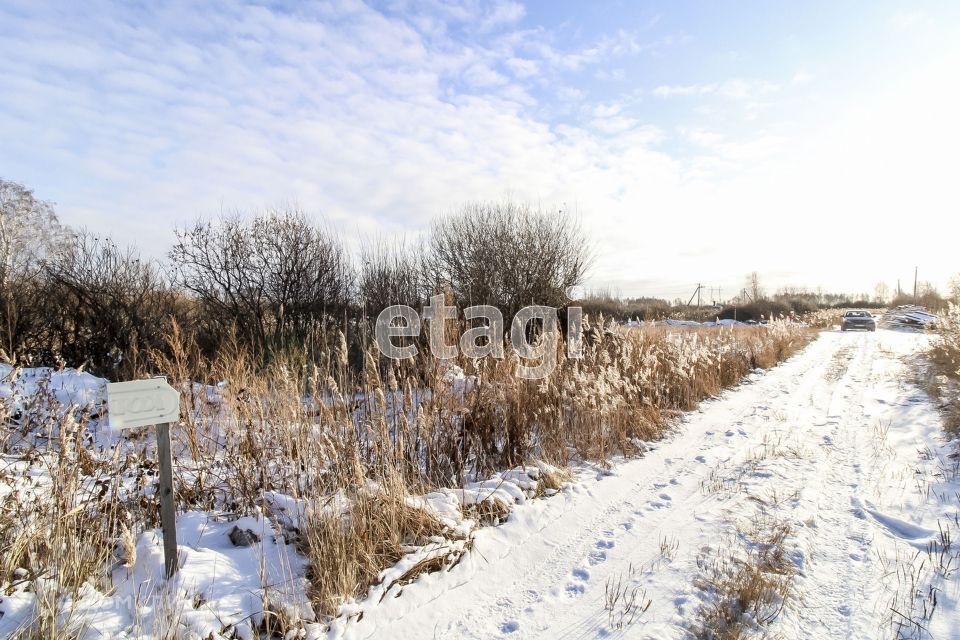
x: 926, y: 295
x: 507, y: 255
x: 112, y: 305
x: 609, y: 305
x: 275, y: 279
x: 389, y: 274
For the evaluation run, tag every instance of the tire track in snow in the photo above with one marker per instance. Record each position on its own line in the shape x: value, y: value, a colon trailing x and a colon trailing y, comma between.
x: 669, y: 494
x: 837, y: 540
x: 542, y: 574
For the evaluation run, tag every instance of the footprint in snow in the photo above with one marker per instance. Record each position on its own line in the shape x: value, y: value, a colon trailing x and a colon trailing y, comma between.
x: 596, y: 557
x: 606, y: 544
x: 859, y: 539
x: 581, y: 574
x: 700, y: 459
x: 510, y: 626
x: 665, y: 496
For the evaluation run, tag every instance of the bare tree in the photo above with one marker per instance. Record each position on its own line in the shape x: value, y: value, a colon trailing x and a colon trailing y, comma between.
x: 754, y: 288
x: 881, y: 293
x: 30, y: 234
x: 507, y: 255
x: 111, y: 305
x: 389, y: 274
x: 954, y: 289
x: 273, y: 278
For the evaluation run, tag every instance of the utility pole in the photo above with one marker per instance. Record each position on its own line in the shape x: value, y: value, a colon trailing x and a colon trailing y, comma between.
x: 699, y: 286
x: 695, y: 295
x: 916, y: 270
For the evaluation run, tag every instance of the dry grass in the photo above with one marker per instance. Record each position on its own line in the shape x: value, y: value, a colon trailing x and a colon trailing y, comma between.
x: 624, y: 600
x: 750, y: 581
x: 62, y: 509
x: 944, y: 355
x: 824, y: 318
x: 350, y: 449
x: 348, y: 548
x: 828, y: 318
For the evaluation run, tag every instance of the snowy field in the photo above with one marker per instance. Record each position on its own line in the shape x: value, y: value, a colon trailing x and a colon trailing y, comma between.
x: 836, y: 443
x: 828, y: 474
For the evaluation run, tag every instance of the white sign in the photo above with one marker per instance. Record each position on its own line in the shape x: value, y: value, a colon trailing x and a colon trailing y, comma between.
x: 142, y: 402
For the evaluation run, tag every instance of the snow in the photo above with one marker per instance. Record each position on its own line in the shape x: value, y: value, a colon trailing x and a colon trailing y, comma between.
x: 69, y: 386
x: 674, y: 322
x: 827, y: 442
x: 219, y: 587
x: 910, y: 317
x: 835, y: 443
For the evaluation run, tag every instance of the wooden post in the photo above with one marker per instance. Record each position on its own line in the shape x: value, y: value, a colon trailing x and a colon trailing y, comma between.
x: 168, y: 508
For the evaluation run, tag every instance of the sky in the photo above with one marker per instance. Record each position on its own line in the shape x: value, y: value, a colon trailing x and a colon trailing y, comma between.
x: 814, y: 143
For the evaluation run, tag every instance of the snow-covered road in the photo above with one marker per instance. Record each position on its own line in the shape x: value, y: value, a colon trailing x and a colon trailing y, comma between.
x: 835, y: 442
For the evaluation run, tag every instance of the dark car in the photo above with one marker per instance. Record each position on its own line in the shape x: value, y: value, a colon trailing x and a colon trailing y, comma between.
x: 858, y: 320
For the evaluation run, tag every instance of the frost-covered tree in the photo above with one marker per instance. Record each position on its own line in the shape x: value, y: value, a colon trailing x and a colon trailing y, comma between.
x: 881, y: 293
x: 30, y: 235
x: 753, y: 287
x: 954, y: 289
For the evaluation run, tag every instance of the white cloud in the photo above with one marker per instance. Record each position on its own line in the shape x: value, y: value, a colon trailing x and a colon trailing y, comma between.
x: 523, y: 67
x: 607, y: 110
x: 615, y: 75
x: 735, y: 88
x: 614, y: 124
x: 482, y: 76
x: 569, y: 94
x: 138, y: 121
x: 667, y: 91
x: 904, y: 20
x: 502, y: 13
